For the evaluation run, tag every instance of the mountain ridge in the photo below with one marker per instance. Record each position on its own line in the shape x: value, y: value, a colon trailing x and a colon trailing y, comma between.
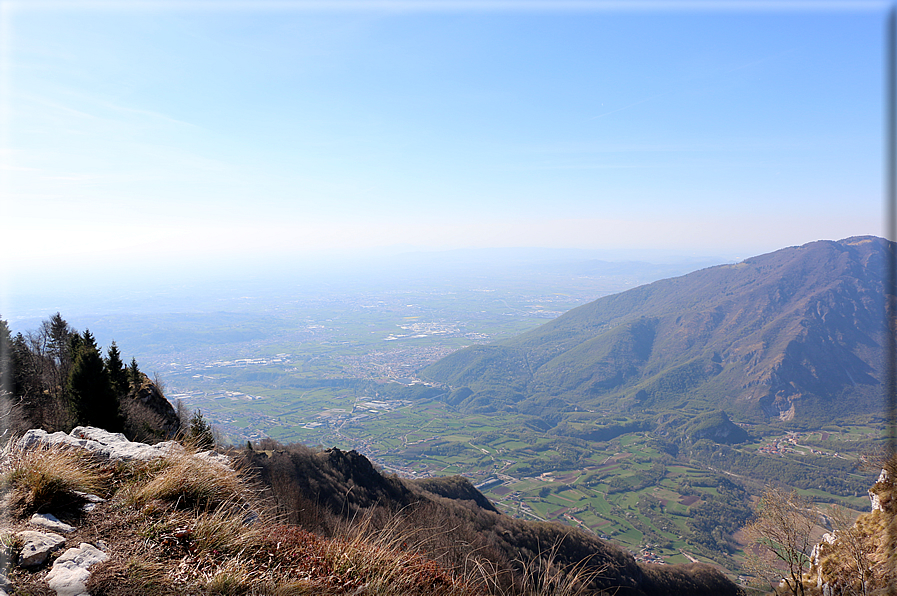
x: 780, y: 335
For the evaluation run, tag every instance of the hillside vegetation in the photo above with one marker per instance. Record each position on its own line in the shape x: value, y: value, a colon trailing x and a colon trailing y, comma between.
x: 451, y: 521
x: 57, y: 378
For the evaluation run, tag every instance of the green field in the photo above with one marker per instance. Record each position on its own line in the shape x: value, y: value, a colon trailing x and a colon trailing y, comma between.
x: 624, y: 490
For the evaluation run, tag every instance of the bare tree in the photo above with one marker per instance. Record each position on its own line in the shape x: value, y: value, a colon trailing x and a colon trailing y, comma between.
x: 779, y: 538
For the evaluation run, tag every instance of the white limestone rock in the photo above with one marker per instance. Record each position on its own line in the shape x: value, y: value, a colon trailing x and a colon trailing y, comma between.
x: 116, y: 446
x: 38, y: 436
x: 100, y: 442
x: 37, y: 546
x: 48, y: 521
x: 70, y: 573
x: 873, y: 496
x: 113, y: 445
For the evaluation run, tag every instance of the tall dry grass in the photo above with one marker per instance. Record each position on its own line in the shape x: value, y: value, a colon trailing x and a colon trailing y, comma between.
x: 187, y: 480
x: 387, y: 558
x: 542, y: 575
x: 49, y: 477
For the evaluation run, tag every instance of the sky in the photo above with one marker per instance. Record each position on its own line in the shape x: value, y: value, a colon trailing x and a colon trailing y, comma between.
x: 185, y: 134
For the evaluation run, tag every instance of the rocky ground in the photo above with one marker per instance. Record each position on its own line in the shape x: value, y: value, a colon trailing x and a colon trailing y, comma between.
x: 92, y: 513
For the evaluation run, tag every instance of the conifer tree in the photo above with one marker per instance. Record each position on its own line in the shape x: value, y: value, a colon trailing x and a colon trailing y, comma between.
x: 118, y: 374
x: 91, y: 394
x: 134, y: 375
x: 201, y: 432
x: 56, y: 335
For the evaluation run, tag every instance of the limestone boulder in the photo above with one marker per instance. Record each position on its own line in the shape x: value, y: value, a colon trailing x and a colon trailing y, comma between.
x: 70, y: 571
x: 48, y: 521
x: 37, y: 546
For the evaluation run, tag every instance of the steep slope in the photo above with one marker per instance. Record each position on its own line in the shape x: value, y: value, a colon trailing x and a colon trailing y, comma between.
x: 794, y: 334
x: 453, y: 523
x: 859, y: 557
x: 163, y: 519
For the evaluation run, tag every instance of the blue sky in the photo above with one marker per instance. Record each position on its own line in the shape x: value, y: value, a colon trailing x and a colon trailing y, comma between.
x: 170, y: 134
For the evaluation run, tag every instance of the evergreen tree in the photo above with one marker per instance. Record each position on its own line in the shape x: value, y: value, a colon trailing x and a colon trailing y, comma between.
x: 58, y: 334
x: 56, y: 339
x: 25, y: 374
x: 201, y: 431
x: 118, y: 374
x: 135, y: 377
x: 88, y: 341
x: 91, y: 394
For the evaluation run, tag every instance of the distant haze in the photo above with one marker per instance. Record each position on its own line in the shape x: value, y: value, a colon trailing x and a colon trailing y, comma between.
x: 227, y: 286
x: 201, y: 141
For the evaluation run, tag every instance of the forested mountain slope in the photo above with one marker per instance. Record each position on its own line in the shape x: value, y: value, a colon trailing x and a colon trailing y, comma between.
x: 796, y: 334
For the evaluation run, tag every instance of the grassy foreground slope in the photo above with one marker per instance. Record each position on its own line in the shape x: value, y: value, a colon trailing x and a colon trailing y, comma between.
x: 328, y: 523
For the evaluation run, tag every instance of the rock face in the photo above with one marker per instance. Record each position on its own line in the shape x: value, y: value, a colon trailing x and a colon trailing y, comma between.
x: 874, y: 497
x: 70, y: 573
x: 858, y: 559
x: 148, y: 402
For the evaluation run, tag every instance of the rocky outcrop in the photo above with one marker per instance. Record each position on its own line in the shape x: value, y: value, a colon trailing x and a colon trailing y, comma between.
x: 857, y: 558
x: 70, y: 572
x: 874, y: 497
x: 113, y: 446
x: 158, y: 415
x: 37, y: 546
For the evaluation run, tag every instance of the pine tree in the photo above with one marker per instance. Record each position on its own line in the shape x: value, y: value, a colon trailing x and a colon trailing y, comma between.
x: 118, y: 374
x: 92, y: 396
x: 58, y: 339
x: 57, y: 335
x: 134, y: 375
x: 201, y: 431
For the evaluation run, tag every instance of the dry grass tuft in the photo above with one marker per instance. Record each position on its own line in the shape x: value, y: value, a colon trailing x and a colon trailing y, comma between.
x: 229, y: 581
x: 191, y: 482
x: 297, y: 588
x: 542, y: 575
x: 222, y: 531
x: 135, y: 575
x: 384, y: 561
x: 49, y: 477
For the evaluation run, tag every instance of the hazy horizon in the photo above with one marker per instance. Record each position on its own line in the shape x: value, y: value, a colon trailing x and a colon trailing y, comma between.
x: 192, y: 141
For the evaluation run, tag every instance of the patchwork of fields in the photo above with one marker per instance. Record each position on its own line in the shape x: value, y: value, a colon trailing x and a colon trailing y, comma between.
x: 629, y: 489
x: 336, y: 371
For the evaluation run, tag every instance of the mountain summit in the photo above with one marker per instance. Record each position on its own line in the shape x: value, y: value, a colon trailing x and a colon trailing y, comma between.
x: 797, y: 334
